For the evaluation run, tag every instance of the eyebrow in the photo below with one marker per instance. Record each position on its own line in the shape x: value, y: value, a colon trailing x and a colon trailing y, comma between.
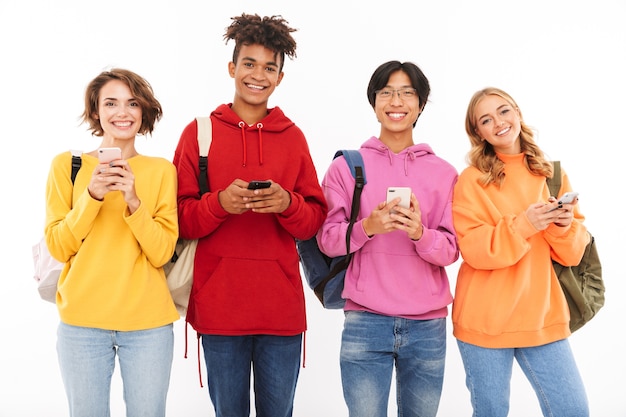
x: 485, y: 115
x: 245, y: 58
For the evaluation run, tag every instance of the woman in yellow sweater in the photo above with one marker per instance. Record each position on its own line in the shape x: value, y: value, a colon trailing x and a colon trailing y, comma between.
x: 508, y: 302
x: 115, y: 228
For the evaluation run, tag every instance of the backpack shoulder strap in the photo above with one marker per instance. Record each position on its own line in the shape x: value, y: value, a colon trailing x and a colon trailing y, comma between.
x: 355, y: 160
x: 76, y: 163
x: 357, y: 168
x: 554, y: 183
x: 205, y: 134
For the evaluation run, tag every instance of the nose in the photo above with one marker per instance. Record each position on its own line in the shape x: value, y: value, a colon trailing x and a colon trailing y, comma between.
x: 395, y: 97
x: 258, y: 72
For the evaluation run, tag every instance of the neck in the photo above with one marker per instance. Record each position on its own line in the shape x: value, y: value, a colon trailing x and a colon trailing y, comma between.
x: 397, y: 142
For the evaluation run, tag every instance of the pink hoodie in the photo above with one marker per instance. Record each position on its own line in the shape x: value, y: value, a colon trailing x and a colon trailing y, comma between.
x: 390, y: 274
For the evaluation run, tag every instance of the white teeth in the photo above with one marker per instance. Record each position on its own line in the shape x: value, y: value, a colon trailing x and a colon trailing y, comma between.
x: 504, y: 131
x: 122, y: 124
x: 256, y: 87
x: 396, y: 115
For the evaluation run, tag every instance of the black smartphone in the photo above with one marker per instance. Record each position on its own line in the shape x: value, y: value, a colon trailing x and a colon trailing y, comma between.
x: 255, y: 185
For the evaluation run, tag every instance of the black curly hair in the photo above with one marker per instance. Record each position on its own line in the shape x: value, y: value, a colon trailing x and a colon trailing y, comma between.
x: 270, y: 31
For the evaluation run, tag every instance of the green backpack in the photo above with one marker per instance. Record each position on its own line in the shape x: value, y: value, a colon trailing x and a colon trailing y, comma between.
x: 582, y: 284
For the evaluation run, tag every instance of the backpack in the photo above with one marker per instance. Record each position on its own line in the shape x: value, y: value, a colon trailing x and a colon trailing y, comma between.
x: 48, y: 269
x: 179, y: 270
x: 326, y: 275
x: 582, y: 284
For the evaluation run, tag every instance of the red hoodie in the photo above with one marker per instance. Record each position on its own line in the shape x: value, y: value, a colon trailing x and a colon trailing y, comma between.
x: 246, y: 272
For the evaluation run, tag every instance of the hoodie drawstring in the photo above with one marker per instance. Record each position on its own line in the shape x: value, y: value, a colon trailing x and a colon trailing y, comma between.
x: 242, y: 126
x: 259, y: 126
x: 411, y: 156
x: 186, y: 346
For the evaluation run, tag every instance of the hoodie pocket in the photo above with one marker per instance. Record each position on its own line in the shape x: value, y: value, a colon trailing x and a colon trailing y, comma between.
x: 250, y: 295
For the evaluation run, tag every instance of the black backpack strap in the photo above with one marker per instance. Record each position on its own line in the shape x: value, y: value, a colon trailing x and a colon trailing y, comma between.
x: 76, y: 164
x: 357, y: 168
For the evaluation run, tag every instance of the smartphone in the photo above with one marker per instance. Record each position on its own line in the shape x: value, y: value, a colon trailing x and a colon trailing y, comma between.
x: 255, y: 185
x: 403, y: 192
x: 106, y: 155
x: 567, y: 198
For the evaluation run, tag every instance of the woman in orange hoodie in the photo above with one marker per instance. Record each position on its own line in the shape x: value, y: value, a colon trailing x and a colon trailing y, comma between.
x: 508, y: 302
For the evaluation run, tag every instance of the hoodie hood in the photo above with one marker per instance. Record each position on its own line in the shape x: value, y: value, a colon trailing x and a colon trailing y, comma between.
x: 407, y: 155
x: 275, y: 122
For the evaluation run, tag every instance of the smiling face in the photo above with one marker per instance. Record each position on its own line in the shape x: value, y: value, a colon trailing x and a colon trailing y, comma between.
x: 256, y: 73
x: 498, y: 122
x: 398, y: 112
x: 119, y: 112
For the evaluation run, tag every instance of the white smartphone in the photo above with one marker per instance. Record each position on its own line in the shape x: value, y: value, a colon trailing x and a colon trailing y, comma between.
x: 567, y: 198
x: 106, y: 155
x: 403, y: 192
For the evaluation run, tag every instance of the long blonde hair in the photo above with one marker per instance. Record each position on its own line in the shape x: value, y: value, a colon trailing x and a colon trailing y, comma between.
x: 483, y: 156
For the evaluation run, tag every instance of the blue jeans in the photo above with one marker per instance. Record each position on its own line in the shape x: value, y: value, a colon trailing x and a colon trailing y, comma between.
x: 275, y: 361
x: 87, y: 360
x: 550, y: 369
x: 371, y: 344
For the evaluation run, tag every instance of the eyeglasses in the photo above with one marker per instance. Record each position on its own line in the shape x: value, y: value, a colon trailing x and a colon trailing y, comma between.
x: 406, y: 93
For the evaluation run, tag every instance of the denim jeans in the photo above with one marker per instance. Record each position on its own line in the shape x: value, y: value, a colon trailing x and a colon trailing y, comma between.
x: 87, y: 360
x: 371, y: 344
x: 275, y: 362
x: 550, y: 369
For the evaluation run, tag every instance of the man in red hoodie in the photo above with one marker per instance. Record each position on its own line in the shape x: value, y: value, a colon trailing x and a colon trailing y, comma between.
x: 247, y: 299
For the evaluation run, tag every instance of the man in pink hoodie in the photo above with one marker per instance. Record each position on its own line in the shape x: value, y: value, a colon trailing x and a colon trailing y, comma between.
x: 396, y: 287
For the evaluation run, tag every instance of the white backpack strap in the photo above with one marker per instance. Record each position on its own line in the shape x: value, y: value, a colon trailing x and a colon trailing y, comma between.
x: 205, y: 134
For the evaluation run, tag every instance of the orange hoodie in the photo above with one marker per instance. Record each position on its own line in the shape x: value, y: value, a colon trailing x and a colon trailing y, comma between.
x: 507, y: 294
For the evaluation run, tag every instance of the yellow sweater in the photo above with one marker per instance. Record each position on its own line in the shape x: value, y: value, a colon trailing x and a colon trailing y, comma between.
x: 113, y: 277
x: 507, y: 294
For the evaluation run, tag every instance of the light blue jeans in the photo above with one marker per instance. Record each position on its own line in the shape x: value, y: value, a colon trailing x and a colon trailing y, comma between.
x: 550, y: 369
x: 371, y: 344
x: 87, y: 360
x: 275, y: 361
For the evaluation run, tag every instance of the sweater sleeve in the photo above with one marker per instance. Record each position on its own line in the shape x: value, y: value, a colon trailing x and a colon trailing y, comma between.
x: 155, y: 224
x: 568, y: 243
x: 191, y: 206
x: 487, y: 239
x: 69, y: 214
x: 308, y: 207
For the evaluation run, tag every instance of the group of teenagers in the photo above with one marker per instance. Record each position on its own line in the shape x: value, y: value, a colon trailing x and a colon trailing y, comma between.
x: 117, y: 224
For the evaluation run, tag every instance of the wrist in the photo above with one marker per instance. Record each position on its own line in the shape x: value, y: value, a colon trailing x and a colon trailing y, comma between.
x: 419, y: 234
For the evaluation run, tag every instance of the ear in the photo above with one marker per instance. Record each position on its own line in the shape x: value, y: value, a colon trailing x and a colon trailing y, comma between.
x: 231, y: 69
x: 280, y: 78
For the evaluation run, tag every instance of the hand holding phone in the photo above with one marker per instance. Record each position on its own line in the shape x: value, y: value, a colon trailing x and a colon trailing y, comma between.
x: 106, y: 155
x: 567, y: 198
x: 256, y: 185
x: 403, y: 192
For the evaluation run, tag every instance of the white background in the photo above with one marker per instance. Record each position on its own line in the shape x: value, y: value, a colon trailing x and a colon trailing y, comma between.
x: 563, y: 61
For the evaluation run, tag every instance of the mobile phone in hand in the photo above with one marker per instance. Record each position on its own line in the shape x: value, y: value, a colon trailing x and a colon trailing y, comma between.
x: 256, y: 185
x: 106, y: 155
x: 403, y: 192
x: 566, y: 198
